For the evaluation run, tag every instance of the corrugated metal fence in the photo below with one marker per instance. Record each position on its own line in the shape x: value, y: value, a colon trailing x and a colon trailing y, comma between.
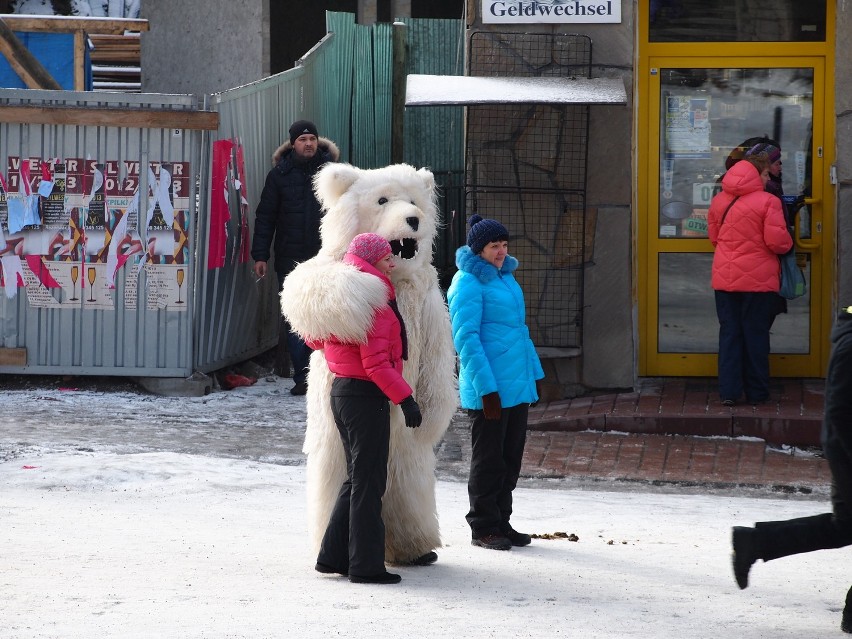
x: 127, y: 219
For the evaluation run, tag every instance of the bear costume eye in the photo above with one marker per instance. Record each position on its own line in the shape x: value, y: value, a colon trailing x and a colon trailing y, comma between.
x: 383, y: 200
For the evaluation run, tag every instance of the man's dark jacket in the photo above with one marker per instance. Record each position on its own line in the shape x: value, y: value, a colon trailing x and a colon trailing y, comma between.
x: 288, y: 209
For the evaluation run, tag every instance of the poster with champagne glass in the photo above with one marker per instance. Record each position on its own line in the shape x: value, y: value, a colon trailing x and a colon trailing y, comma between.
x: 95, y: 291
x: 166, y: 284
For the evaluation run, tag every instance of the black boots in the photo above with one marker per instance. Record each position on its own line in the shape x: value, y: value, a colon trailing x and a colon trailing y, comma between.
x: 492, y: 542
x: 381, y: 578
x: 517, y: 538
x: 746, y: 552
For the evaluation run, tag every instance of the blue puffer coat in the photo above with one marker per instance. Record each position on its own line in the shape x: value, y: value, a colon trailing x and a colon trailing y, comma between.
x: 490, y: 333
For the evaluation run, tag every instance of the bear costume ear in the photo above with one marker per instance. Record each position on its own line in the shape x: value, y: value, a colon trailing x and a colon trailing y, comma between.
x: 332, y: 181
x: 428, y: 179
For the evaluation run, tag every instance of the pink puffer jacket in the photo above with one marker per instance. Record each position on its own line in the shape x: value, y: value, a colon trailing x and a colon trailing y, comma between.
x: 379, y: 358
x: 752, y: 236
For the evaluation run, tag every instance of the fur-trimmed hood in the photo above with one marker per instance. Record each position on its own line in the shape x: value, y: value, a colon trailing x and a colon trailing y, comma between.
x: 323, y: 298
x: 482, y: 269
x: 324, y: 146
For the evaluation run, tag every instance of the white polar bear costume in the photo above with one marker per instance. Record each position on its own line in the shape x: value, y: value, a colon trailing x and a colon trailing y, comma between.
x: 320, y: 297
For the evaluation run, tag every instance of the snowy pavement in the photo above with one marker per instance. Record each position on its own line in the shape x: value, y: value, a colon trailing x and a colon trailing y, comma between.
x: 123, y: 514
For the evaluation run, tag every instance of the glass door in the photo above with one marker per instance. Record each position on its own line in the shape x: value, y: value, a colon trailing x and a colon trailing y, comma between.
x: 702, y: 115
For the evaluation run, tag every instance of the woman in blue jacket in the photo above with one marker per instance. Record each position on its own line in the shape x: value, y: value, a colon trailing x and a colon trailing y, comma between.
x: 498, y: 369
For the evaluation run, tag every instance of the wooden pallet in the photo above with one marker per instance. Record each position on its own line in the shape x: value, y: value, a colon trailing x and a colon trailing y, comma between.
x: 116, y: 62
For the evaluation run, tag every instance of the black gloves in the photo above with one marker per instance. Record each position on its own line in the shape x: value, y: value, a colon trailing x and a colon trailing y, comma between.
x: 491, y: 405
x: 411, y: 410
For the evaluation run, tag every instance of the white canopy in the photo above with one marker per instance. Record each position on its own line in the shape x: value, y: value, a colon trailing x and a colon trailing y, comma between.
x: 435, y: 90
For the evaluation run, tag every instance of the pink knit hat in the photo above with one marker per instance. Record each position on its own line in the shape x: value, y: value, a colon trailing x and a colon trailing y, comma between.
x: 369, y: 247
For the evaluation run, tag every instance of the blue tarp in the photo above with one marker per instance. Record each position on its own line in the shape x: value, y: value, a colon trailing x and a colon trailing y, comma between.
x: 55, y: 51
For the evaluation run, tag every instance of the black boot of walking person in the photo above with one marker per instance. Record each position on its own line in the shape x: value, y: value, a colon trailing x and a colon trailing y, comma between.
x: 746, y: 552
x: 846, y: 622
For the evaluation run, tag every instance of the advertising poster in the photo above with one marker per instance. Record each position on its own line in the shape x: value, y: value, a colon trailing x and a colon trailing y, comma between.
x: 687, y: 127
x: 77, y: 227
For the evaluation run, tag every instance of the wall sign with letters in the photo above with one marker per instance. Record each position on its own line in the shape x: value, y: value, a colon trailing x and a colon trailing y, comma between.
x: 550, y: 11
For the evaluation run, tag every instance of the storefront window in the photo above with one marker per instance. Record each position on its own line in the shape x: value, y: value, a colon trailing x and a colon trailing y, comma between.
x: 737, y: 21
x: 706, y: 117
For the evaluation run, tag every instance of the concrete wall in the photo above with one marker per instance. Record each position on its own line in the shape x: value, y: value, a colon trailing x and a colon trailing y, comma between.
x: 221, y: 44
x: 843, y: 111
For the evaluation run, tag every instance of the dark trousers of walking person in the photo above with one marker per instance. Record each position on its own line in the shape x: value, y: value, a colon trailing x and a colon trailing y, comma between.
x: 354, y: 541
x: 744, y: 321
x: 300, y: 353
x: 776, y: 539
x: 497, y: 450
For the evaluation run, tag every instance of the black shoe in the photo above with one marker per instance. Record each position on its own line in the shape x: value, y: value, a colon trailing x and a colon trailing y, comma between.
x: 328, y: 570
x: 517, y: 538
x: 381, y: 578
x: 846, y: 622
x: 424, y: 560
x: 492, y: 542
x: 745, y: 553
x: 300, y: 388
x: 728, y: 402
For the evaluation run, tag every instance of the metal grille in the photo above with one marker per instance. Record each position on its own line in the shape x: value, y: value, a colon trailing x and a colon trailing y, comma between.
x: 526, y: 166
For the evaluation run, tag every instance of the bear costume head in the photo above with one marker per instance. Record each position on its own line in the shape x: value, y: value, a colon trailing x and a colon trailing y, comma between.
x: 396, y: 202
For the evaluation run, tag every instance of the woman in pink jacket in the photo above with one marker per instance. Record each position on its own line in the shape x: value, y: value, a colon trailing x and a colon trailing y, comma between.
x: 366, y: 376
x: 746, y: 226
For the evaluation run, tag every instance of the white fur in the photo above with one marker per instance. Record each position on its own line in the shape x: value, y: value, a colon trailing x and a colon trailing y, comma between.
x: 314, y: 300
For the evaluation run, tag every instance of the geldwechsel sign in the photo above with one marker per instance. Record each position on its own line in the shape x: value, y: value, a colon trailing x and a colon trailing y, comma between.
x: 567, y: 11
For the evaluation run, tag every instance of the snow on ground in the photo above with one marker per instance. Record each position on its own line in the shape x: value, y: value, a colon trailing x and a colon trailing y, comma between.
x: 185, y: 518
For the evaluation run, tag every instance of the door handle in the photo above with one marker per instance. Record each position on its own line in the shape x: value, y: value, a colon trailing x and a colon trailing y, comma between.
x: 797, y: 239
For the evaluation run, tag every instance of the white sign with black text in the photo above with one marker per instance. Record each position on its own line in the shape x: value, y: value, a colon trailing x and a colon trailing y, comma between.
x: 551, y: 11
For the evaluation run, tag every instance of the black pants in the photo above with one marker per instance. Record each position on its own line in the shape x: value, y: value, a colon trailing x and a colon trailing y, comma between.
x: 354, y: 540
x: 497, y: 450
x: 828, y: 530
x: 744, y: 321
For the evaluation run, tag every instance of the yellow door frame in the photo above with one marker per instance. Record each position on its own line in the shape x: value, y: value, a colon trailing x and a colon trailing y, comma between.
x: 816, y: 55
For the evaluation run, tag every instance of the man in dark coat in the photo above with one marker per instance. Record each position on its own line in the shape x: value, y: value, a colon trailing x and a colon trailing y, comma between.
x: 775, y: 539
x: 288, y: 218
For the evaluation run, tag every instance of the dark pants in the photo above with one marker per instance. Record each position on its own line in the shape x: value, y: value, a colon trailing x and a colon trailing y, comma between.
x: 354, y: 540
x: 300, y: 354
x: 497, y: 449
x: 777, y: 539
x: 744, y: 321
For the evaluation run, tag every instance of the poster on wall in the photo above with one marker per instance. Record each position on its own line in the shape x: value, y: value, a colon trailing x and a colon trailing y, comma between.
x: 687, y: 127
x: 551, y: 11
x: 69, y: 227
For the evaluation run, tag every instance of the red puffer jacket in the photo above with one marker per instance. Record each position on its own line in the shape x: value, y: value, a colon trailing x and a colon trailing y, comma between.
x: 751, y: 237
x: 379, y: 359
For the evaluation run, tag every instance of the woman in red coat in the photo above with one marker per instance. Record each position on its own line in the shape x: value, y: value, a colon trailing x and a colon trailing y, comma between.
x: 746, y: 226
x: 366, y: 375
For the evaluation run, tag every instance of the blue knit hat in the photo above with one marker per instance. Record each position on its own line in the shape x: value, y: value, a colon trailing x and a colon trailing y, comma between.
x: 484, y: 231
